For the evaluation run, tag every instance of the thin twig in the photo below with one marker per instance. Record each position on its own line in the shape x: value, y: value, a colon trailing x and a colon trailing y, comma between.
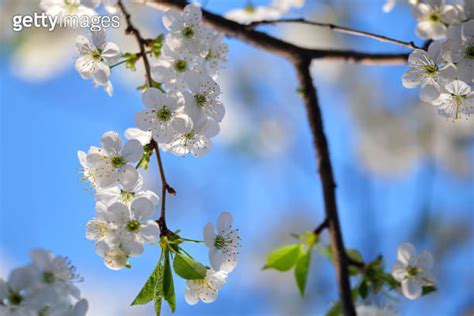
x: 318, y: 230
x: 278, y: 46
x: 329, y: 186
x: 336, y: 28
x: 165, y: 187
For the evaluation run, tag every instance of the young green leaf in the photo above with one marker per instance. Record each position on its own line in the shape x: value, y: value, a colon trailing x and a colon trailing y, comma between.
x: 284, y: 258
x: 363, y: 289
x: 147, y: 292
x: 158, y: 293
x: 301, y: 270
x: 188, y: 268
x: 168, y: 285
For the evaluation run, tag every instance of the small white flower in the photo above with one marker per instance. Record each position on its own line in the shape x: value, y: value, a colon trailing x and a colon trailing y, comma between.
x: 126, y: 193
x: 458, y: 101
x: 460, y: 50
x: 110, y: 166
x: 196, y: 141
x: 205, y: 289
x: 216, y: 54
x: 164, y: 117
x: 202, y: 101
x: 15, y: 292
x: 223, y: 246
x: 426, y: 71
x: 252, y: 13
x: 371, y: 310
x: 114, y: 258
x: 100, y: 228
x: 132, y: 225
x: 69, y: 7
x: 433, y: 18
x: 412, y: 270
x: 96, y: 58
x: 184, y: 29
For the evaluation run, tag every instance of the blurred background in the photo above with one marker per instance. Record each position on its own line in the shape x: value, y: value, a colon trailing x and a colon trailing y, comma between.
x: 403, y: 173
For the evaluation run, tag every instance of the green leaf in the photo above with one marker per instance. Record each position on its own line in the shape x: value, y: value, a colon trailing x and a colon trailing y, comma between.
x: 168, y: 285
x: 354, y: 254
x: 325, y: 251
x: 158, y: 293
x: 284, y: 258
x: 301, y: 270
x: 428, y: 289
x: 188, y: 268
x: 147, y: 292
x: 363, y: 289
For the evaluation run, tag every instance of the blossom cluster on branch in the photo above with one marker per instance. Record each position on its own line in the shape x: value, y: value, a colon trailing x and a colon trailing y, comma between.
x: 43, y: 287
x: 445, y: 71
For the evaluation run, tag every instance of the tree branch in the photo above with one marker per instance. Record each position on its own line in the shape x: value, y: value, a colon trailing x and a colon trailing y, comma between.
x: 278, y: 46
x: 165, y: 187
x: 336, y: 28
x: 329, y: 187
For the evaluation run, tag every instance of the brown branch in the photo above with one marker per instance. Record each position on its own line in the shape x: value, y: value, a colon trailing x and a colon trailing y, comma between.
x: 278, y: 46
x: 329, y: 186
x: 165, y: 187
x: 336, y: 28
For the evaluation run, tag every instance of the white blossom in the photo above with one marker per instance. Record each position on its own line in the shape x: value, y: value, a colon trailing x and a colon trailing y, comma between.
x: 412, y: 270
x: 120, y: 231
x: 126, y: 193
x: 164, y: 117
x: 69, y: 7
x: 196, y: 141
x: 97, y: 55
x: 428, y: 71
x: 205, y: 289
x: 223, y: 246
x: 457, y: 101
x: 109, y: 166
x: 44, y: 287
x: 144, y: 137
x: 202, y: 100
x: 459, y: 49
x: 433, y: 16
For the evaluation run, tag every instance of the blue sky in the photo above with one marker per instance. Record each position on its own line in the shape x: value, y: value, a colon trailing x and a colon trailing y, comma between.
x: 44, y: 204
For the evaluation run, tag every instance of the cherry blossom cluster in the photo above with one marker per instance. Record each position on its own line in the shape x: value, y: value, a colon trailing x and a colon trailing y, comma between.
x: 184, y: 111
x: 123, y: 208
x: 43, y: 287
x: 445, y: 71
x: 274, y: 10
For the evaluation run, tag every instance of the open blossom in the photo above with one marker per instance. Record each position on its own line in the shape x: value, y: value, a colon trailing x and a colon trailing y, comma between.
x: 223, y: 246
x: 126, y: 193
x: 196, y: 141
x: 97, y: 55
x: 69, y: 7
x: 44, y: 285
x: 109, y: 166
x: 457, y: 101
x: 215, y: 55
x: 164, y: 117
x: 121, y: 230
x: 185, y: 29
x: 426, y: 70
x: 205, y: 289
x: 459, y: 49
x: 433, y: 18
x: 202, y: 100
x: 412, y: 270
